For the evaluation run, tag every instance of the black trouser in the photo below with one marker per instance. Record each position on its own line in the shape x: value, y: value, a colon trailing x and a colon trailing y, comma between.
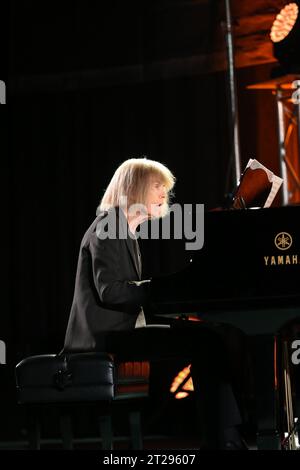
x: 204, y: 347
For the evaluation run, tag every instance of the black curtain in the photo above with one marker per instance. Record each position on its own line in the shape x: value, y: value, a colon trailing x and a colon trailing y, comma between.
x: 64, y: 149
x: 66, y: 138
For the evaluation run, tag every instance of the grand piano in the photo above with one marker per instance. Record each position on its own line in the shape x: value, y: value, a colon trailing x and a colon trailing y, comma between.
x: 246, y: 275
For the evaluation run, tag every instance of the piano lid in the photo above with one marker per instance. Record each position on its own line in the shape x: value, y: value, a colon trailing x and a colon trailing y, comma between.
x: 249, y: 257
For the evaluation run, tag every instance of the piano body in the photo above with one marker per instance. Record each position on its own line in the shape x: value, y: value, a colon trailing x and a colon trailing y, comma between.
x: 247, y: 275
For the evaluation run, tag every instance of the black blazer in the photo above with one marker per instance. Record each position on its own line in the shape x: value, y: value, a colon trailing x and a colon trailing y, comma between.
x: 107, y: 295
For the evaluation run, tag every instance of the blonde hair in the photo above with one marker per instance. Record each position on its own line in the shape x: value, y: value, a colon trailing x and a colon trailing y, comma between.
x: 132, y: 180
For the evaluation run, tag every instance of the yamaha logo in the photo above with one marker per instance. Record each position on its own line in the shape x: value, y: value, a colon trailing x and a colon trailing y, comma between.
x: 283, y: 241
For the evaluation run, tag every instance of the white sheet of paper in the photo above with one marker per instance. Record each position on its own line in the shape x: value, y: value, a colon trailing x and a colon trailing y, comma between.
x: 275, y: 180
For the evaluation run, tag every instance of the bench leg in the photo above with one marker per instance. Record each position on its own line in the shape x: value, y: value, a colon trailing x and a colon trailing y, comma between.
x: 34, y: 433
x: 136, y: 430
x: 105, y: 426
x: 66, y: 431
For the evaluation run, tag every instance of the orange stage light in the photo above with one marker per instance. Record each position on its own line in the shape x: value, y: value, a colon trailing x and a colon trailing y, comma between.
x: 181, y: 386
x: 284, y: 22
x: 285, y: 35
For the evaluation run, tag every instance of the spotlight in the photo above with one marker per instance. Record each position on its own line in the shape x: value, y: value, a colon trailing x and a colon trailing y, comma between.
x: 285, y: 35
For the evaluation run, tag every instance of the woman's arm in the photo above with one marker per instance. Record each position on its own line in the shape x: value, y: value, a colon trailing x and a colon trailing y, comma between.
x: 115, y: 292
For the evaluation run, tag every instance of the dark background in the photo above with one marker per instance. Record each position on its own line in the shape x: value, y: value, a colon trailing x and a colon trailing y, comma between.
x: 88, y: 86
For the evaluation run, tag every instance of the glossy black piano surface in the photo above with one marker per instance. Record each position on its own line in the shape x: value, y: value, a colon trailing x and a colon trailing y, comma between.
x: 243, y: 278
x: 239, y: 266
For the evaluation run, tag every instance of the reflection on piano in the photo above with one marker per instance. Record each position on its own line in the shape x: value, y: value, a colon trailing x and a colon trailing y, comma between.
x: 246, y: 275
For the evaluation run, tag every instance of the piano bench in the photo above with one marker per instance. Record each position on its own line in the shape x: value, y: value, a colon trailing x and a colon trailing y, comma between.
x: 49, y: 384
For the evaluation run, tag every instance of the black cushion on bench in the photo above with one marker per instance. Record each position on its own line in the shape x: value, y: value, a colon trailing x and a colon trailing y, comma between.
x: 76, y: 377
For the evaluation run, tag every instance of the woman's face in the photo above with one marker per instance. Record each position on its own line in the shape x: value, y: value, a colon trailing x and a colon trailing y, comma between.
x: 156, y: 201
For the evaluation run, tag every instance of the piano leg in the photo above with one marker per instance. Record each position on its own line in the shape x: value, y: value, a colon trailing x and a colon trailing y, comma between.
x: 287, y: 391
x: 266, y: 389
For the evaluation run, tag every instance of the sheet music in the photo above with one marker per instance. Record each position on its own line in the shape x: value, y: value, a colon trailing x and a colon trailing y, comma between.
x: 275, y: 180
